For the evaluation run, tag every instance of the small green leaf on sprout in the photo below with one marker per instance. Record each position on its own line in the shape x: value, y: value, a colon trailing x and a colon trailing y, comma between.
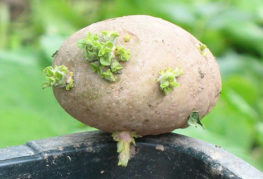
x: 116, y: 67
x: 167, y: 79
x: 127, y: 38
x: 108, y: 75
x: 101, y: 51
x: 109, y: 36
x: 58, y: 76
x: 96, y: 67
x: 105, y: 60
x: 194, y: 120
x: 122, y: 54
x: 202, y: 48
x: 123, y: 146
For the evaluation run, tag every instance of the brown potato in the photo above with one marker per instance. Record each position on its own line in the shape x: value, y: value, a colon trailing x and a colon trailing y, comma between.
x: 135, y: 102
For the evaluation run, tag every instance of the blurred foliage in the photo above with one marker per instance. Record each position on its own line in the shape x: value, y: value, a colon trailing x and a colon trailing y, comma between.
x: 32, y: 30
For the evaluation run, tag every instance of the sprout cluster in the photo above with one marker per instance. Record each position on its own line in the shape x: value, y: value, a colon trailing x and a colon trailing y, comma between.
x: 124, y: 140
x: 127, y: 38
x: 202, y: 48
x: 104, y: 55
x: 167, y: 79
x: 194, y: 119
x: 58, y: 76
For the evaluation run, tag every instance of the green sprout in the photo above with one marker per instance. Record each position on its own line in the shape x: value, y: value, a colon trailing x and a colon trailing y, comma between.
x: 103, y: 54
x: 167, y: 79
x: 116, y: 67
x: 127, y: 38
x: 122, y: 54
x: 124, y: 140
x: 194, y: 120
x: 58, y: 76
x: 202, y: 48
x: 108, y: 75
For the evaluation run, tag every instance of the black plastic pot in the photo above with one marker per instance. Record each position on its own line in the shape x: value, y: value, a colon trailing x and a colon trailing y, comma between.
x: 93, y: 155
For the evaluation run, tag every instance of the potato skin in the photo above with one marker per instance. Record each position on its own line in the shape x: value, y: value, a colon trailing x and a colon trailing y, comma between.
x: 135, y: 102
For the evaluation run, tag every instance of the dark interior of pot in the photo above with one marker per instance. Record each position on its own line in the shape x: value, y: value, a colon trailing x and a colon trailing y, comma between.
x: 93, y: 155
